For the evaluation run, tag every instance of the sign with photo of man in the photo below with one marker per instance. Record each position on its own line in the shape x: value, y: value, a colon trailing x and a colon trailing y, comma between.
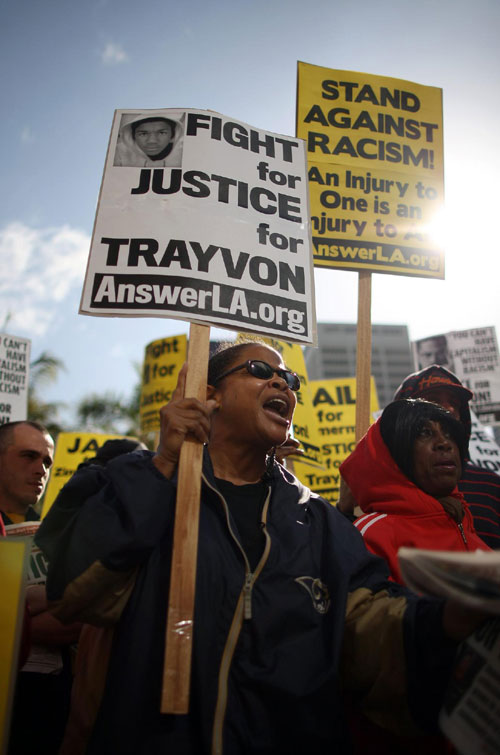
x: 473, y: 356
x: 203, y: 218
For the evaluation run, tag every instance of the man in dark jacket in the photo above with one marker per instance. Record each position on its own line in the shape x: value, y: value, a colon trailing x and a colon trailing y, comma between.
x: 480, y: 487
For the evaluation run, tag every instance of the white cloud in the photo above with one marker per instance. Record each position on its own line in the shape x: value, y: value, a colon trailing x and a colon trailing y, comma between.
x: 113, y: 54
x: 39, y: 269
x: 27, y: 136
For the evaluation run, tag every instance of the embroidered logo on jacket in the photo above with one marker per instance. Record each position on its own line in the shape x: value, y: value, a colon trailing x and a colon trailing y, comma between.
x: 318, y: 592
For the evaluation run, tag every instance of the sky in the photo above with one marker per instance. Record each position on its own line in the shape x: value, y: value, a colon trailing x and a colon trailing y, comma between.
x: 67, y: 65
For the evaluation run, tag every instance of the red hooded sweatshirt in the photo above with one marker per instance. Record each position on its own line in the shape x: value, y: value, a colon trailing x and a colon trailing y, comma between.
x: 396, y: 511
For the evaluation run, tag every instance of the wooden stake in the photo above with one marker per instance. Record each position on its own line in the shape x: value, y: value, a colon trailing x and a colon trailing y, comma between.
x: 179, y: 633
x: 363, y: 354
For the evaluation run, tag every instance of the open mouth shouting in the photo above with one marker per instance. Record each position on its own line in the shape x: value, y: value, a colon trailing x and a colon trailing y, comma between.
x: 279, y: 407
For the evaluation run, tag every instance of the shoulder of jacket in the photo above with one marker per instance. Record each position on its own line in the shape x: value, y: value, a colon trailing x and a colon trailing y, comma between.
x: 366, y: 521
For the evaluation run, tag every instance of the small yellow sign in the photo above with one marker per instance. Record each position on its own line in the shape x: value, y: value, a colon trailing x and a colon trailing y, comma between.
x: 13, y: 566
x: 162, y: 362
x: 71, y: 450
x: 334, y: 403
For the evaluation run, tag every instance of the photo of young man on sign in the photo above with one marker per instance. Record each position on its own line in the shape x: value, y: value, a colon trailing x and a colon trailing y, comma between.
x: 149, y: 141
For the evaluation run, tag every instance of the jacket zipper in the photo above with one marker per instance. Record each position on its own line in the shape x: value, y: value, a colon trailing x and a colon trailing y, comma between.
x: 243, y: 611
x: 247, y: 596
x: 462, y: 532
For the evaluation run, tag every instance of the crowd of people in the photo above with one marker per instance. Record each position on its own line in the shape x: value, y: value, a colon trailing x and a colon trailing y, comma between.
x: 305, y: 639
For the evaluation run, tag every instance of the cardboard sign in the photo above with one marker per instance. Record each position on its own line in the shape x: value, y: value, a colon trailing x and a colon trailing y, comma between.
x: 215, y: 232
x: 483, y: 450
x: 162, y: 362
x: 473, y: 356
x: 375, y: 152
x: 13, y: 558
x: 334, y: 403
x: 14, y: 377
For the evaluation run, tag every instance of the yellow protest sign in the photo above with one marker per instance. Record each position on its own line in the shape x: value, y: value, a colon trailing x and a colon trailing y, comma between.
x: 162, y: 362
x: 13, y: 560
x: 376, y: 176
x: 71, y: 450
x: 334, y: 403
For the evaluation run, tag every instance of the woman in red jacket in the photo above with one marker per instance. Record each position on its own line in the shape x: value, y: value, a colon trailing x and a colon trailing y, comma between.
x: 403, y: 474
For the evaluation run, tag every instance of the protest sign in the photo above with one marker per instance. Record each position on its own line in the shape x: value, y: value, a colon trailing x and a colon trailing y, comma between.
x: 42, y: 659
x: 37, y: 565
x: 71, y: 450
x: 221, y: 238
x: 305, y: 426
x: 334, y: 404
x: 470, y: 717
x: 483, y: 450
x: 162, y: 362
x: 14, y: 375
x: 472, y: 355
x: 375, y: 152
x: 13, y: 558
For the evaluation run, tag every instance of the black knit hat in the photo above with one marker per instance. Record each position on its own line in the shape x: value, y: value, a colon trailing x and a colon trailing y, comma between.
x: 419, y: 383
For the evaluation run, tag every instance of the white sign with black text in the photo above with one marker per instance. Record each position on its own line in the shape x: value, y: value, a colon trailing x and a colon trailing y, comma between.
x: 473, y: 356
x: 14, y: 376
x: 203, y: 218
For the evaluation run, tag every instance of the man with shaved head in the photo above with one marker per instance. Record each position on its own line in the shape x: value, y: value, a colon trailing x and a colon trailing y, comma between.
x: 42, y: 699
x: 26, y: 455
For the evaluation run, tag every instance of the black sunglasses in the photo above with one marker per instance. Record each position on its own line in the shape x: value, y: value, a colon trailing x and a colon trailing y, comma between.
x: 264, y: 371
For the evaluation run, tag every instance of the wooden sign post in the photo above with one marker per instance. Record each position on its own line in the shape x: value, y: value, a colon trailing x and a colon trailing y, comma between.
x: 363, y: 354
x: 179, y: 633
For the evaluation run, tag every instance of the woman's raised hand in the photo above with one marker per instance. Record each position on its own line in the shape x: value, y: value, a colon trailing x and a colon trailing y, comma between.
x: 181, y: 418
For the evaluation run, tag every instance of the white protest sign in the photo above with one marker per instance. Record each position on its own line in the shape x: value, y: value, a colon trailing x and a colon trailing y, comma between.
x: 214, y: 228
x: 470, y: 717
x: 473, y: 356
x: 483, y: 450
x: 14, y: 375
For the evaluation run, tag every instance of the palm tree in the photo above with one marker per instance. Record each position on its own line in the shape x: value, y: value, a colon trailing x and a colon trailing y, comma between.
x: 110, y: 413
x: 43, y: 370
x: 105, y: 412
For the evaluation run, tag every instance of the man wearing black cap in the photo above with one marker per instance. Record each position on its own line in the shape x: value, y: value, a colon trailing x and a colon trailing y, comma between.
x: 480, y: 487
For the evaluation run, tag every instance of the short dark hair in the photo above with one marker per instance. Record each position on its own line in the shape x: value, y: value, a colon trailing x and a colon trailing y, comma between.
x: 402, y: 421
x: 7, y: 431
x: 136, y: 124
x: 226, y: 354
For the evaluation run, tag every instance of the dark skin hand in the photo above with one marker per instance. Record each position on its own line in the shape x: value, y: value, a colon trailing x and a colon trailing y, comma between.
x: 460, y: 621
x: 290, y: 447
x: 181, y: 419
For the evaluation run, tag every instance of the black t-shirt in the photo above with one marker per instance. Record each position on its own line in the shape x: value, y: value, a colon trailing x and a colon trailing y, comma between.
x: 245, y: 504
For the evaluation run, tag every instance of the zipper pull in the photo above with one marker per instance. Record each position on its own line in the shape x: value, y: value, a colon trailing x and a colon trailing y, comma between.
x: 247, y: 596
x: 463, y: 534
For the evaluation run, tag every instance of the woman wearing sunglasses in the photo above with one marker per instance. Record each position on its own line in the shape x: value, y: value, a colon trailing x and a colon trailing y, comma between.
x: 288, y: 599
